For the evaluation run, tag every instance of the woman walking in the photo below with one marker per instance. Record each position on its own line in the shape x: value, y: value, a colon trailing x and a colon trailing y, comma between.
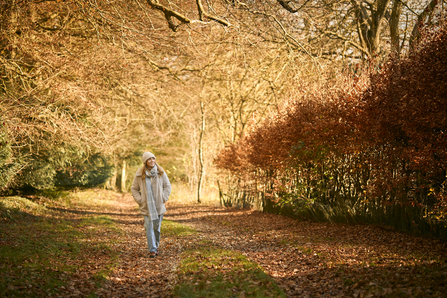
x: 151, y: 190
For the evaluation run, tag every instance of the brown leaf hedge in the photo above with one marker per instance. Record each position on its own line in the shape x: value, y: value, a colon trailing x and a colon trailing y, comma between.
x: 365, y: 146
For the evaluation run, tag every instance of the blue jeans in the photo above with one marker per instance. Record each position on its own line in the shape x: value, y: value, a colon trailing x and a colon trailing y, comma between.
x: 153, y: 229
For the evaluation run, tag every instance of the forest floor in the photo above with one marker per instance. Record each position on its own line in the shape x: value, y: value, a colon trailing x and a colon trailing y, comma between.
x: 202, y: 245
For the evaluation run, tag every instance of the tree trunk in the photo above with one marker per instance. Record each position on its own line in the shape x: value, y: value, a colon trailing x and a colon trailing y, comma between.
x: 369, y: 27
x: 221, y: 198
x: 111, y: 182
x: 421, y: 19
x: 394, y: 26
x: 202, y: 166
x: 123, y: 177
x: 378, y: 18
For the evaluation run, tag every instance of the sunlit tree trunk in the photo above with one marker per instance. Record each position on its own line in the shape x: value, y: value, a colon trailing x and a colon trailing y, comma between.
x: 111, y: 183
x: 394, y: 26
x: 123, y: 177
x: 369, y: 26
x: 202, y: 166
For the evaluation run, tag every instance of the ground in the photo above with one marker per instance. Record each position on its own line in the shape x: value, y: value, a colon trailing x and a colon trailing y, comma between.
x: 305, y: 259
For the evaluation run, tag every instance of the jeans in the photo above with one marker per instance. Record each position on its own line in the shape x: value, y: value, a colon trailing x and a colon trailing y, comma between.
x: 153, y: 229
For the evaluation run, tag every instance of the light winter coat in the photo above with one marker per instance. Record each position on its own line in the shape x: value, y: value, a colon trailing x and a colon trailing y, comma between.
x: 161, y: 189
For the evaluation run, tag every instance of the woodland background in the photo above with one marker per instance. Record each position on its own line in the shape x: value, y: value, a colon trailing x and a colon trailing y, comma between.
x: 329, y: 110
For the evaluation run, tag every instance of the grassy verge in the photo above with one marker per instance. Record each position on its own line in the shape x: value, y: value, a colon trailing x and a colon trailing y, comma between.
x: 42, y: 243
x: 213, y: 272
x: 172, y: 228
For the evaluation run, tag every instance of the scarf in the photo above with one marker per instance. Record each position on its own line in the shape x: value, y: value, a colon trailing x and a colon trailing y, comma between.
x: 153, y: 173
x: 153, y: 214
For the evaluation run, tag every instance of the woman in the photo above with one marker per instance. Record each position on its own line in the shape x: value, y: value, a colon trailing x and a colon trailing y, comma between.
x: 151, y: 190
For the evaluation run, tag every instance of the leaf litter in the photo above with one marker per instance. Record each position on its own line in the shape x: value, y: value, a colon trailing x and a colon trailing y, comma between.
x: 309, y: 259
x: 306, y: 259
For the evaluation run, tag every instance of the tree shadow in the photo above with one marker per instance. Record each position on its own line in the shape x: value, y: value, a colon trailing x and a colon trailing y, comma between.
x: 424, y: 280
x: 310, y: 259
x: 82, y: 212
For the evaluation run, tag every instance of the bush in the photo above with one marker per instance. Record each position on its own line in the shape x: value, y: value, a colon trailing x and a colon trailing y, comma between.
x: 358, y: 148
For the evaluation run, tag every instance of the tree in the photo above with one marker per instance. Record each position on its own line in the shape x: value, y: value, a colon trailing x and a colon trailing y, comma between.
x: 339, y: 29
x: 357, y: 148
x: 7, y: 168
x: 85, y: 75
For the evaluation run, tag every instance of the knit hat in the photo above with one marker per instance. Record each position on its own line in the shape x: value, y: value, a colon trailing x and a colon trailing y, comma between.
x: 146, y: 156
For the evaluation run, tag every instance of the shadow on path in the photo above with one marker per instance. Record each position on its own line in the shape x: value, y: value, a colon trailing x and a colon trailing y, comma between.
x: 309, y: 259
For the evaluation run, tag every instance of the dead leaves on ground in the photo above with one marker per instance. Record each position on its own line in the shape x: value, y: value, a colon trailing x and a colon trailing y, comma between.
x: 318, y: 259
x: 306, y: 259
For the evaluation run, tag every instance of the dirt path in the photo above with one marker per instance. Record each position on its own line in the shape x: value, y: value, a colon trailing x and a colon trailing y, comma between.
x: 137, y: 275
x: 306, y: 259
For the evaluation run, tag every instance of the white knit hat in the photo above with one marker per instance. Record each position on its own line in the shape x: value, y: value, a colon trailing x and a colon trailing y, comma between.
x: 146, y: 156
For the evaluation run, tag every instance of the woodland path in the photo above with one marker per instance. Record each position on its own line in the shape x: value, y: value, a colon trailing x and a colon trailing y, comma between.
x: 305, y: 259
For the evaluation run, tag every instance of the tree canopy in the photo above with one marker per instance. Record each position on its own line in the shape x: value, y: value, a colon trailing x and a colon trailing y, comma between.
x: 87, y: 86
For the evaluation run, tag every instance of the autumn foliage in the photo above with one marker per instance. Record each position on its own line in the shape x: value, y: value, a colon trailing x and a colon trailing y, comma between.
x: 367, y: 146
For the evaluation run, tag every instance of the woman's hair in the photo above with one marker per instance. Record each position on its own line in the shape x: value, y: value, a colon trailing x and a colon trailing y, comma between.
x: 159, y: 169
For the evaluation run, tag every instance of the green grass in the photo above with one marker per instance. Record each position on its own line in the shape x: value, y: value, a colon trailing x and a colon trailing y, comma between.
x: 40, y: 247
x: 35, y: 257
x: 215, y: 272
x: 99, y: 222
x: 171, y: 228
x: 209, y: 271
x: 17, y: 207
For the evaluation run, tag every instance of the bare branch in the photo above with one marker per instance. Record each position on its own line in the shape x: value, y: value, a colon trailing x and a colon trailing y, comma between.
x: 354, y: 44
x: 169, y: 14
x: 289, y: 8
x: 202, y: 14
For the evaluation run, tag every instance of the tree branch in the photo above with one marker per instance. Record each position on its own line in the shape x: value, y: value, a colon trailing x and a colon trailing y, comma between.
x: 289, y: 8
x: 170, y: 14
x: 354, y: 44
x: 202, y: 14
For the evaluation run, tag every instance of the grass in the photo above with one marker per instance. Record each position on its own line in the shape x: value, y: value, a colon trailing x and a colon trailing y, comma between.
x: 209, y: 271
x: 13, y: 207
x: 171, y: 228
x: 214, y: 272
x: 40, y: 246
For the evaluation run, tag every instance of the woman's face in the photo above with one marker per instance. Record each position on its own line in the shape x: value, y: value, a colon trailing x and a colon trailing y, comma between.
x: 150, y: 162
